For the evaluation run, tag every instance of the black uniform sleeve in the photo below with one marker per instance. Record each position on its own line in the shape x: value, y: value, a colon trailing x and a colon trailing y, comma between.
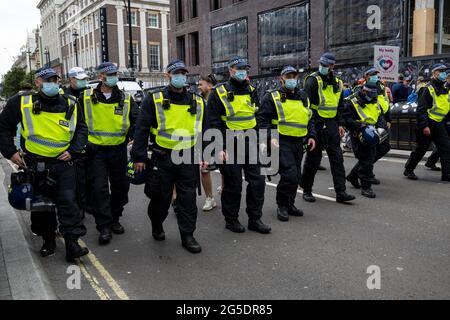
x: 9, y: 119
x: 134, y: 114
x: 312, y: 90
x: 387, y: 115
x: 80, y: 138
x: 266, y: 113
x: 144, y: 123
x: 340, y: 111
x: 349, y: 115
x: 424, y: 103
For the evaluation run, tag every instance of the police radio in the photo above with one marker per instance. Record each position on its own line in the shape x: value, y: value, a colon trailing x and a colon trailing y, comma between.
x: 166, y: 104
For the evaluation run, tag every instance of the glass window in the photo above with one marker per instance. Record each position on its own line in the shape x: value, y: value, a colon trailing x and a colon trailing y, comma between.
x: 193, y: 9
x: 215, y: 4
x: 347, y: 33
x: 283, y: 38
x: 179, y: 11
x: 227, y: 41
x: 133, y: 18
x: 153, y: 21
x: 181, y: 48
x: 154, y: 51
x: 135, y: 55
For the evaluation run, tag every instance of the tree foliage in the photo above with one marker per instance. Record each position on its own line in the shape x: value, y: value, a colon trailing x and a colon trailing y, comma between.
x: 15, y: 80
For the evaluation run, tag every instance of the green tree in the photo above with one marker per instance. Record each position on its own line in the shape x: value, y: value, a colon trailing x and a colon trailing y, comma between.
x: 14, y: 80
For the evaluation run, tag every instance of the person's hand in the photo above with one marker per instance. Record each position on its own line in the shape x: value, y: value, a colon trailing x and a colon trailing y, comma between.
x: 426, y: 131
x: 17, y: 159
x: 204, y: 165
x: 139, y: 167
x: 223, y: 155
x: 130, y: 144
x: 389, y: 125
x: 341, y: 131
x: 311, y: 144
x: 66, y: 156
x: 275, y: 143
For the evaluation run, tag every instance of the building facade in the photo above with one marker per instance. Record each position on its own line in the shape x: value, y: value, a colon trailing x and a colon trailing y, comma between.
x: 271, y: 34
x: 49, y: 45
x: 94, y: 31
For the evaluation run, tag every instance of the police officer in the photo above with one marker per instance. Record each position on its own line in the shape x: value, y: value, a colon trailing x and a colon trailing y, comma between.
x: 77, y: 85
x: 231, y: 109
x: 173, y: 118
x: 288, y: 110
x: 371, y: 77
x: 53, y: 134
x: 361, y: 109
x: 324, y: 90
x: 432, y: 108
x: 110, y: 117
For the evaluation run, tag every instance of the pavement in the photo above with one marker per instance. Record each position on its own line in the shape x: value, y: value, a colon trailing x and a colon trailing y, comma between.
x: 327, y: 254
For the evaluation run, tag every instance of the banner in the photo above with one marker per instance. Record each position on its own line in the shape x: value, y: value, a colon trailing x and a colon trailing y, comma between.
x: 387, y: 60
x: 104, y: 35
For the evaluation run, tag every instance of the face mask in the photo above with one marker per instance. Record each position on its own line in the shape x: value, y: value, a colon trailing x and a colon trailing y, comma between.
x: 178, y: 81
x: 324, y: 70
x: 111, y: 81
x: 241, y: 75
x: 373, y: 79
x: 81, y: 84
x: 290, y: 84
x: 50, y: 89
x: 443, y: 76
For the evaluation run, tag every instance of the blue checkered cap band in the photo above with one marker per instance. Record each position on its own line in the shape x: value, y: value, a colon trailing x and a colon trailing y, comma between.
x: 179, y: 65
x: 46, y: 73
x: 288, y: 69
x: 109, y: 68
x: 239, y: 62
x: 327, y: 59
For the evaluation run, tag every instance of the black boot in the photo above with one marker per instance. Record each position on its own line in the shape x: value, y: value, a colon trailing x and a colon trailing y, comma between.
x: 354, y: 180
x: 190, y: 244
x: 293, y: 211
x: 117, y: 228
x: 368, y: 193
x: 105, y: 236
x: 73, y: 250
x: 258, y: 226
x: 235, y: 226
x: 283, y: 214
x: 308, y: 196
x: 446, y: 178
x: 158, y: 233
x: 49, y: 246
x: 410, y: 175
x: 375, y: 181
x: 343, y: 197
x: 432, y: 167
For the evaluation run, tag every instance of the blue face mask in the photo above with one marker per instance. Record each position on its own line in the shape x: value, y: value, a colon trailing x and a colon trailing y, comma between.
x: 373, y: 79
x: 324, y: 70
x: 443, y: 76
x: 241, y: 75
x: 178, y: 81
x: 290, y: 84
x: 81, y: 84
x: 50, y: 89
x: 111, y: 81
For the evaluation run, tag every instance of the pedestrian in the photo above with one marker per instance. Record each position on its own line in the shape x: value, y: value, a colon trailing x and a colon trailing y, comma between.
x: 324, y: 90
x: 205, y: 85
x: 432, y: 108
x: 110, y: 116
x: 232, y: 109
x: 400, y: 91
x: 385, y: 122
x: 362, y: 109
x: 53, y: 134
x: 288, y: 110
x: 173, y: 117
x: 77, y: 85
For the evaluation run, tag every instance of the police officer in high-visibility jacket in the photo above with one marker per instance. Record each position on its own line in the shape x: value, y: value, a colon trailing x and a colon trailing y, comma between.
x: 287, y: 109
x: 110, y: 117
x: 371, y: 77
x: 53, y: 134
x: 363, y: 109
x: 324, y: 90
x: 232, y: 109
x: 433, y: 107
x: 174, y: 118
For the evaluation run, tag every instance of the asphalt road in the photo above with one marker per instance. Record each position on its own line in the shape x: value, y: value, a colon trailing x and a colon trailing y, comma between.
x: 323, y: 255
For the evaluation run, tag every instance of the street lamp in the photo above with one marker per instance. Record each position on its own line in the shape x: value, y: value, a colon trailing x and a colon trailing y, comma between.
x: 47, y: 57
x: 29, y: 58
x: 75, y: 44
x: 130, y: 30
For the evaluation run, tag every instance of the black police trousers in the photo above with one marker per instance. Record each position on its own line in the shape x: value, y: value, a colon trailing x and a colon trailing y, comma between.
x: 366, y: 156
x: 328, y: 139
x: 291, y: 155
x: 164, y: 175
x: 439, y: 137
x: 83, y: 189
x: 68, y: 214
x: 433, y: 158
x: 109, y: 185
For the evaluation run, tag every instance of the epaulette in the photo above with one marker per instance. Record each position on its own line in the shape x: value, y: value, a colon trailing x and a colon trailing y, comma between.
x: 27, y: 93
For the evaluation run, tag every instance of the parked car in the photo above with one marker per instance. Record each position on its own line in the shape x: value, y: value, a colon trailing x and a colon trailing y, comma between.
x: 128, y: 85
